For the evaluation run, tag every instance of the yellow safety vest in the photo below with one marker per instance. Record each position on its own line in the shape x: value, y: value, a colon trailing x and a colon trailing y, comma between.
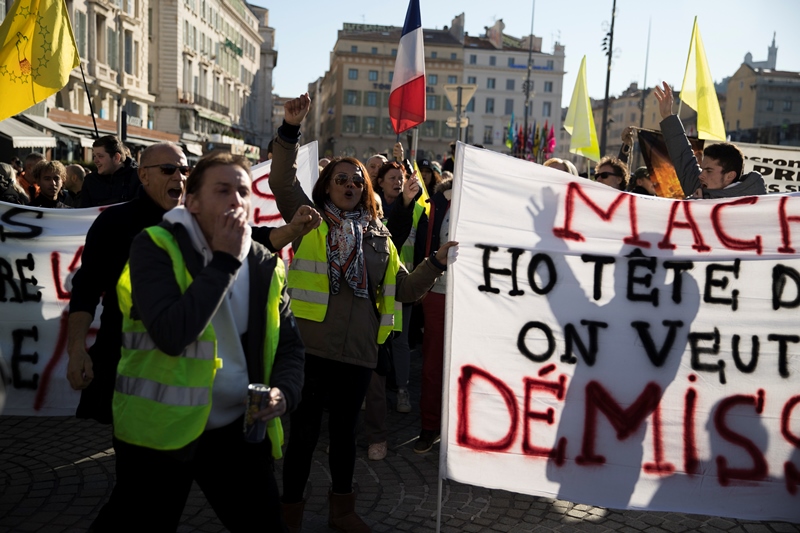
x: 309, y: 285
x: 163, y: 401
x: 407, y: 250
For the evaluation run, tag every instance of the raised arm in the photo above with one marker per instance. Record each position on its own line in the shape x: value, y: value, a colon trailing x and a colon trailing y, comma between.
x: 678, y: 146
x: 289, y: 195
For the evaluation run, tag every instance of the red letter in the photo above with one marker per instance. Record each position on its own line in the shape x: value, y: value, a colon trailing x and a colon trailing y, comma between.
x: 624, y: 421
x: 791, y: 473
x: 553, y: 387
x: 55, y: 264
x: 463, y: 435
x: 786, y: 236
x: 729, y: 242
x: 659, y: 467
x: 566, y: 232
x: 699, y: 244
x: 690, y: 460
x: 759, y: 468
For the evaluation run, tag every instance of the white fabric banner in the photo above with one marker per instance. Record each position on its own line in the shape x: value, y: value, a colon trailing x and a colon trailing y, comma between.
x: 621, y: 350
x: 41, y: 250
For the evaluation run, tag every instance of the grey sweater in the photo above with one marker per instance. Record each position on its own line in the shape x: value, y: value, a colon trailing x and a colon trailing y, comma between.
x: 682, y: 156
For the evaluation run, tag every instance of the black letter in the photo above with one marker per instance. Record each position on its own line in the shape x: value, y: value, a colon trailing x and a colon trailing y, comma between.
x: 487, y: 287
x: 783, y: 370
x: 751, y: 366
x: 694, y: 339
x: 523, y: 348
x: 7, y: 277
x: 515, y: 253
x: 678, y: 267
x: 638, y: 259
x: 599, y: 261
x: 8, y: 217
x: 18, y: 358
x: 23, y: 281
x: 733, y: 301
x: 779, y: 274
x: 551, y: 273
x: 571, y: 336
x: 657, y: 356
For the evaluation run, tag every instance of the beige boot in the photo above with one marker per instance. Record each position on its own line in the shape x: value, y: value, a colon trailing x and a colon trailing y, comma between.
x: 342, y: 515
x: 293, y: 515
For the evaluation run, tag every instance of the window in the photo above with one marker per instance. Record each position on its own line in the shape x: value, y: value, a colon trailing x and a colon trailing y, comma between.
x: 433, y: 79
x: 374, y: 50
x: 454, y: 56
x: 372, y: 98
x: 351, y: 97
x: 128, y: 52
x: 546, y: 107
x: 492, y: 61
x: 112, y: 48
x: 472, y: 80
x: 509, y: 85
x: 391, y: 76
x: 447, y: 105
x: 80, y: 31
x: 770, y: 104
x: 429, y: 128
x: 373, y: 75
x: 510, y: 61
x: 431, y: 102
x: 471, y: 105
x: 550, y: 64
x: 354, y: 49
x: 370, y: 124
x: 352, y: 74
x: 394, y: 52
x: 490, y: 83
x: 787, y: 105
x: 490, y: 106
x: 633, y: 117
x: 452, y: 79
x: 548, y: 86
x: 488, y: 134
x: 349, y: 125
x: 473, y: 59
x: 434, y: 55
x: 739, y: 105
x: 509, y: 106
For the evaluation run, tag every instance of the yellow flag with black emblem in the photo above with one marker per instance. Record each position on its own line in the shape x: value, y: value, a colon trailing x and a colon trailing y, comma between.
x: 37, y: 54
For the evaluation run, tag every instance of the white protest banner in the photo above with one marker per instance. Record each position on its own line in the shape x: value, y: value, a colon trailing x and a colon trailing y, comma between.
x: 621, y: 350
x: 41, y: 250
x: 779, y: 165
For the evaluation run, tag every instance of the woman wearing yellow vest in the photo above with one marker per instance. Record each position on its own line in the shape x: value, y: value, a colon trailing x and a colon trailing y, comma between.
x: 344, y: 280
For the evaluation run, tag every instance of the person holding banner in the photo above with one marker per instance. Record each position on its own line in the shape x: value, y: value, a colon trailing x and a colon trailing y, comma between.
x: 344, y: 281
x: 722, y: 172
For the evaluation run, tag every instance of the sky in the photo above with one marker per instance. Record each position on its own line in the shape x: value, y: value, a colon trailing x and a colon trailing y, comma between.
x: 305, y: 34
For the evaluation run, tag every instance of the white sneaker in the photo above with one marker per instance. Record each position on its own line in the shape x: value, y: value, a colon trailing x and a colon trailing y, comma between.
x: 377, y: 451
x: 403, y: 401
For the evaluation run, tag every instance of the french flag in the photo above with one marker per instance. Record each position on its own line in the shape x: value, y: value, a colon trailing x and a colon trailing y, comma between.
x: 407, y: 99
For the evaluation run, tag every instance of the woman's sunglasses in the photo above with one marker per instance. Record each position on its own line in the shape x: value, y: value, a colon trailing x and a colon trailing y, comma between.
x: 342, y: 179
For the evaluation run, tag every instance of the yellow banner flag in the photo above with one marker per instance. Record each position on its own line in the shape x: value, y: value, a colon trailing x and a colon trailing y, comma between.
x: 37, y: 53
x: 424, y: 198
x: 698, y: 90
x: 580, y: 121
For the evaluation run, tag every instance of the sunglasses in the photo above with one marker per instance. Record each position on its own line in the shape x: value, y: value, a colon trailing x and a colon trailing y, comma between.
x: 342, y: 179
x: 605, y: 175
x: 169, y: 170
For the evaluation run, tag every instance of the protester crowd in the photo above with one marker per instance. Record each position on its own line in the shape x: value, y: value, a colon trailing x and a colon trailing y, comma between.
x: 197, y: 305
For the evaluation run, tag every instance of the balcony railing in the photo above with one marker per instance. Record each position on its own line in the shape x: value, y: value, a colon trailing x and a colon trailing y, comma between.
x: 208, y: 104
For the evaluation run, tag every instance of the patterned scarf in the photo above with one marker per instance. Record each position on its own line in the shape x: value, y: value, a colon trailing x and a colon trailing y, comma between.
x: 345, y: 252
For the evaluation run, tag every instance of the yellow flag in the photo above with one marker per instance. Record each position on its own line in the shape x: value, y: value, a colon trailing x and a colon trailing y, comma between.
x: 698, y: 91
x: 37, y: 53
x: 580, y: 121
x: 424, y: 198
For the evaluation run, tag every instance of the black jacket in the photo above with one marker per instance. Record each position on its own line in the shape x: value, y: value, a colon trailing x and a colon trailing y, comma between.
x: 121, y: 186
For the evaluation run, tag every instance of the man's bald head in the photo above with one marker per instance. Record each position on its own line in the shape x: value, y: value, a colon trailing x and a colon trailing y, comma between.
x: 149, y: 153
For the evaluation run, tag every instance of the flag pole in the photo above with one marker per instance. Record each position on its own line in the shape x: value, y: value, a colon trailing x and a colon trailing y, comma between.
x: 89, y: 97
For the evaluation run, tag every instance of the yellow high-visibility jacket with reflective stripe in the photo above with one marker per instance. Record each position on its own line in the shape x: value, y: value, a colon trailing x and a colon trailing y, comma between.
x: 407, y: 250
x: 163, y: 401
x: 309, y: 285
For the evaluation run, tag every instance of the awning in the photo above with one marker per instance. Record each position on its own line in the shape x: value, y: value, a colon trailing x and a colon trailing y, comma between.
x: 55, y: 127
x: 141, y: 141
x: 213, y: 118
x: 87, y: 143
x: 24, y: 136
x: 194, y: 148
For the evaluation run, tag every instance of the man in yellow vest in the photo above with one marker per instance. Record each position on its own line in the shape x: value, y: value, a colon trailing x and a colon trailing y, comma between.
x: 205, y: 313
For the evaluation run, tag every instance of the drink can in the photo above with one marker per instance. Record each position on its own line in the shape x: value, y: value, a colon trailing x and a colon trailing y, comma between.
x: 257, y: 399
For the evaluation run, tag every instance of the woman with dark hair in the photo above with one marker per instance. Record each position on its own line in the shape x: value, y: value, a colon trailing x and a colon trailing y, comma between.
x: 344, y: 280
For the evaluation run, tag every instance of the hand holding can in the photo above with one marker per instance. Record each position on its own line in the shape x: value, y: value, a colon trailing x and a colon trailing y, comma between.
x: 258, y: 398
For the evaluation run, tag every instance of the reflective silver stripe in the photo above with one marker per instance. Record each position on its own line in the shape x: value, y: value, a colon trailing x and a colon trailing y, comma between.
x: 308, y: 265
x: 387, y: 320
x: 398, y: 306
x: 313, y: 297
x: 143, y: 342
x: 389, y: 290
x: 164, y: 394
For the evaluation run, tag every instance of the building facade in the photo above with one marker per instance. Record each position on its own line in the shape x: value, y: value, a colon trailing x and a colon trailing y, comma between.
x: 262, y: 87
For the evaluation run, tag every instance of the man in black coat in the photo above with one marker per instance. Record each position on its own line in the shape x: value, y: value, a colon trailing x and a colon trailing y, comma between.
x: 116, y: 179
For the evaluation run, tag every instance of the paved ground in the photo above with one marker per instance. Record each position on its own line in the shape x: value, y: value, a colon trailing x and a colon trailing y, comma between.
x: 56, y: 473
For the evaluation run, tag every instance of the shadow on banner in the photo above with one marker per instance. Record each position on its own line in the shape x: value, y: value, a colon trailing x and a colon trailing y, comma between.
x: 656, y: 157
